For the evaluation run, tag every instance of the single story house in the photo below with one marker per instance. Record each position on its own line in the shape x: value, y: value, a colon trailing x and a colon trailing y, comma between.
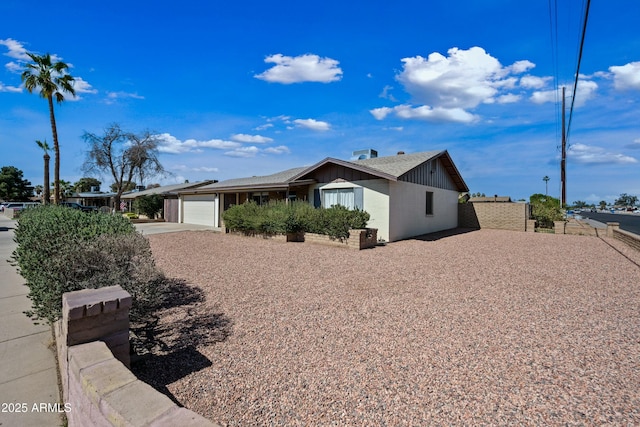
x: 406, y: 195
x: 170, y: 195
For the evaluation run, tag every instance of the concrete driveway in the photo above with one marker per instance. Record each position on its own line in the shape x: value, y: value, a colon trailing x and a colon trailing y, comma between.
x: 170, y: 227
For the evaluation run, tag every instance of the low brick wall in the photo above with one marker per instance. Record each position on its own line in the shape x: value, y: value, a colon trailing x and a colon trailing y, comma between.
x: 358, y: 239
x: 92, y: 340
x: 631, y: 239
x: 495, y: 215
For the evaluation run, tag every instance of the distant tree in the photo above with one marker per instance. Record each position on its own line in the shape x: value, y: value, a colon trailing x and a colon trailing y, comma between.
x: 124, y: 155
x: 38, y: 189
x: 546, y: 184
x: 13, y: 187
x: 545, y: 210
x: 603, y: 205
x: 149, y: 205
x: 66, y: 189
x: 127, y: 186
x: 86, y: 184
x: 579, y: 204
x: 51, y: 80
x: 626, y: 200
x: 46, y: 197
x: 150, y: 186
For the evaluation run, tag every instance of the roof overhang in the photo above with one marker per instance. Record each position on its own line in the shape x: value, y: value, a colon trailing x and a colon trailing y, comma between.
x: 346, y: 164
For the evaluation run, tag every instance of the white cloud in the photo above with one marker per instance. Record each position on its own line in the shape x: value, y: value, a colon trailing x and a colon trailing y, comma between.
x: 16, y: 49
x: 542, y: 96
x: 425, y: 112
x: 586, y: 91
x: 533, y: 82
x: 280, y: 149
x: 264, y: 126
x: 303, y: 68
x: 635, y: 145
x: 254, y: 139
x: 82, y: 86
x: 4, y: 88
x: 312, y: 124
x: 386, y: 93
x: 185, y: 168
x: 464, y: 79
x: 122, y: 95
x: 172, y: 145
x: 626, y: 76
x: 520, y: 67
x: 586, y: 154
x: 243, y: 152
x: 14, y: 67
x: 509, y: 98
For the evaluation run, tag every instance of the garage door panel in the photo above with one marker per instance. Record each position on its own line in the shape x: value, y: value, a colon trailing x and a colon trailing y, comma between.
x: 199, y: 209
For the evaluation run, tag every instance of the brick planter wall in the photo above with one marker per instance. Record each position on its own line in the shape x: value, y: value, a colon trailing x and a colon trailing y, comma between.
x: 358, y: 239
x: 92, y: 340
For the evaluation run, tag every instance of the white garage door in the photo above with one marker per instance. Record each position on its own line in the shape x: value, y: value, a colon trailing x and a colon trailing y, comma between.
x: 200, y: 209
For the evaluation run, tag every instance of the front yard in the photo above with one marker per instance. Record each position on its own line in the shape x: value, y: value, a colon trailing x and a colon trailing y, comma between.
x: 490, y: 326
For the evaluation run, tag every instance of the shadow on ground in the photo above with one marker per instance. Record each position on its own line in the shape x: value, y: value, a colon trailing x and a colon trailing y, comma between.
x: 164, y: 349
x: 432, y: 237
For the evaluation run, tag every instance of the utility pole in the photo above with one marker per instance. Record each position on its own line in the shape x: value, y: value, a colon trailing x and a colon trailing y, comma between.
x: 563, y: 160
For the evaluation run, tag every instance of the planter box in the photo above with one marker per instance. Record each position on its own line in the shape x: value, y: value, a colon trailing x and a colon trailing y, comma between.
x: 358, y: 239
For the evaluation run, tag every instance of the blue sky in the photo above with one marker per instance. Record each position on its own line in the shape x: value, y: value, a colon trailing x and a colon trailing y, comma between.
x: 252, y: 88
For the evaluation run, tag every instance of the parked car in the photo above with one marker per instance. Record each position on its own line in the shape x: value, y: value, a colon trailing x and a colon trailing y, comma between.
x: 83, y: 208
x: 18, y: 206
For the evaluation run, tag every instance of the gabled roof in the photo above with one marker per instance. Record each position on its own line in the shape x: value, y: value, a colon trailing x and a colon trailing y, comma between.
x: 166, y: 189
x: 400, y: 164
x: 276, y: 180
x: 390, y: 167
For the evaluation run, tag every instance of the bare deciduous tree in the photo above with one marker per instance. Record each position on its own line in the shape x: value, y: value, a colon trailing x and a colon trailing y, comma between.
x: 123, y: 155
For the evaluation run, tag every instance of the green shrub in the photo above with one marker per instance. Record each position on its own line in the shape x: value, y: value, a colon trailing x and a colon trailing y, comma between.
x: 281, y: 217
x: 61, y: 250
x: 545, y: 210
x: 149, y: 205
x: 130, y: 215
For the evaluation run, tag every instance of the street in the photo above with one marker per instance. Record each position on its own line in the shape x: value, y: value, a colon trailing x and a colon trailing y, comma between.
x: 628, y: 222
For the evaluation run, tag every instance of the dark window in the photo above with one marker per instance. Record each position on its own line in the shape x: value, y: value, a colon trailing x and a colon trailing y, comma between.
x: 429, y: 204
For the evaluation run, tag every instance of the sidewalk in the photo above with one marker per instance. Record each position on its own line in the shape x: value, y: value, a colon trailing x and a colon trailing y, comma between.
x: 28, y: 373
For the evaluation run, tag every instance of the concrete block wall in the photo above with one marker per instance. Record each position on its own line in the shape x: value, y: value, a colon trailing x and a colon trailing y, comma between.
x: 495, y: 215
x: 92, y: 339
x: 631, y: 239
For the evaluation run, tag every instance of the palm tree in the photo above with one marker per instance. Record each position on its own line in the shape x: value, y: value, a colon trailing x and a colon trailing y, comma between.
x: 46, y: 197
x: 546, y: 185
x: 52, y: 80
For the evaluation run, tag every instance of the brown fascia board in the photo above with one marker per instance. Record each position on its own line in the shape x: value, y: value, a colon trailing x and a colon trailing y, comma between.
x: 346, y: 164
x: 236, y: 188
x: 454, y: 173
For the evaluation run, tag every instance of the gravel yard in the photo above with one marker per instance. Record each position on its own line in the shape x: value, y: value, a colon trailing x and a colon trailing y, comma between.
x: 487, y: 327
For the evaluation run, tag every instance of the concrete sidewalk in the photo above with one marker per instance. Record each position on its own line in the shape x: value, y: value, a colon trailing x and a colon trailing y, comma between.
x: 28, y: 373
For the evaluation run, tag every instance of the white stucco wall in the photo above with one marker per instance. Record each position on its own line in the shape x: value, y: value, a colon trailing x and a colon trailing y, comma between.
x: 375, y: 200
x: 407, y: 210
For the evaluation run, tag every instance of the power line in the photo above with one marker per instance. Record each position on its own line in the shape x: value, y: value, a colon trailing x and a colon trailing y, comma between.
x: 575, y: 83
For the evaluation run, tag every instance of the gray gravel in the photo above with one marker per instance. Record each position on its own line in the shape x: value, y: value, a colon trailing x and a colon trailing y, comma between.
x: 482, y: 328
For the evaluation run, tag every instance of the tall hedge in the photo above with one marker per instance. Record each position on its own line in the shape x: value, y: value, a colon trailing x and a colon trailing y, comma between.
x: 281, y: 217
x: 61, y: 250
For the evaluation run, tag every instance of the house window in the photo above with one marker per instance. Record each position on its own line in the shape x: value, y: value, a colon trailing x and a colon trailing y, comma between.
x: 350, y: 198
x: 429, y: 203
x: 260, y: 198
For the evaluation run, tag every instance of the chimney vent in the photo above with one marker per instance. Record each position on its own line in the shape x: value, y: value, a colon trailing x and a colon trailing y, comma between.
x: 400, y: 153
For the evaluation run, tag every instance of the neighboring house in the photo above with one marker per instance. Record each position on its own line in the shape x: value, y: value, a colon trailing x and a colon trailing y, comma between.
x: 406, y: 195
x: 170, y: 195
